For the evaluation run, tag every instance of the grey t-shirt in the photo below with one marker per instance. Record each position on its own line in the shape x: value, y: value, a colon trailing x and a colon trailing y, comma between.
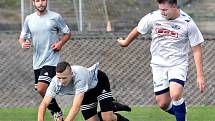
x: 44, y: 31
x: 83, y: 80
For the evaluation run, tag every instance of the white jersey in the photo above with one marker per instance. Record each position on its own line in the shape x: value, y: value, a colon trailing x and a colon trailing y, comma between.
x: 171, y: 39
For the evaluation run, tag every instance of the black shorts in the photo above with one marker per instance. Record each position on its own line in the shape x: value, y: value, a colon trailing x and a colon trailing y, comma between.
x: 44, y: 74
x: 101, y: 93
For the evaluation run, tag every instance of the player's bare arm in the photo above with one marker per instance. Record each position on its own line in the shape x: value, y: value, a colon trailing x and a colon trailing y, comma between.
x: 75, y: 107
x: 131, y: 36
x: 42, y: 108
x: 197, y: 53
x: 58, y: 45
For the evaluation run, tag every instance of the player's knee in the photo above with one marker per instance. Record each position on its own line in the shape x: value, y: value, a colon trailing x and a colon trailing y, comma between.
x: 41, y: 90
x: 175, y: 97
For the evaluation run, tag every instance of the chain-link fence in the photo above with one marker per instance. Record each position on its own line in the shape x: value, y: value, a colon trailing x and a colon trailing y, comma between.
x: 128, y: 69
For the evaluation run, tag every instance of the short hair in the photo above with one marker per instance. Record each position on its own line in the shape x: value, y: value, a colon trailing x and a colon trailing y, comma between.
x: 172, y: 2
x: 62, y: 66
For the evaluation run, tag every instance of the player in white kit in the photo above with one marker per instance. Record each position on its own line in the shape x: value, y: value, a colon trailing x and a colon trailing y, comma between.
x: 173, y: 32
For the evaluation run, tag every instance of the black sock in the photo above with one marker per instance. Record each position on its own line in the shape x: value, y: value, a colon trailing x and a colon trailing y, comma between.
x: 100, y: 115
x: 120, y: 117
x: 120, y: 107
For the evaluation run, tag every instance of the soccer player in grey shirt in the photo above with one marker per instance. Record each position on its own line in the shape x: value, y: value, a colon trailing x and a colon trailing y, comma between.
x: 47, y: 31
x: 173, y: 32
x: 89, y: 85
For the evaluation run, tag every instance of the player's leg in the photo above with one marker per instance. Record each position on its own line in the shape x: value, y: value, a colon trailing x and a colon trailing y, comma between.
x: 36, y: 76
x: 120, y: 107
x: 117, y: 107
x: 93, y: 118
x: 119, y: 117
x: 164, y: 101
x: 89, y: 106
x: 105, y: 99
x: 161, y: 88
x: 46, y: 73
x: 177, y: 77
x: 179, y: 106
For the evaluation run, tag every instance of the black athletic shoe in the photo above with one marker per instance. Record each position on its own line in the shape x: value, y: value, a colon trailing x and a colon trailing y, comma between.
x: 120, y: 107
x: 120, y: 117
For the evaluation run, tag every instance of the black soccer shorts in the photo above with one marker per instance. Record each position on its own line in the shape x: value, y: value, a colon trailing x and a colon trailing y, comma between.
x: 44, y: 74
x: 101, y: 93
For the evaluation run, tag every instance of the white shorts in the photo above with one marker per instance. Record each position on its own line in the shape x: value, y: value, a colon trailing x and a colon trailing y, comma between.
x: 162, y: 75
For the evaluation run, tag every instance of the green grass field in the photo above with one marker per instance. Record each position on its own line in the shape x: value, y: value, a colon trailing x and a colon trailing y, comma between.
x: 137, y: 114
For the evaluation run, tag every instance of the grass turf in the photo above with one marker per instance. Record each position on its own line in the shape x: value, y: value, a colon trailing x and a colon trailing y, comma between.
x: 137, y: 114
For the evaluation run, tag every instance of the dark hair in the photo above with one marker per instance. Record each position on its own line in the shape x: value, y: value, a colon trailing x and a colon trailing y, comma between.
x: 61, y: 66
x: 172, y: 2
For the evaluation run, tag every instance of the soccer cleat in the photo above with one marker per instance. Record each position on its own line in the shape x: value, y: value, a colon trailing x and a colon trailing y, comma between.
x: 120, y: 107
x: 58, y: 116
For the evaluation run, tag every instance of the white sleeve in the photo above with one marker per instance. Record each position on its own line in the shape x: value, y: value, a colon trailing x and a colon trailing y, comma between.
x: 145, y: 24
x: 62, y: 25
x: 81, y: 86
x: 25, y: 33
x: 52, y: 89
x: 194, y: 34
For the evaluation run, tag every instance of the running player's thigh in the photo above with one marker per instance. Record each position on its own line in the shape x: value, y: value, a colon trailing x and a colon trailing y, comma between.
x: 177, y: 77
x: 160, y: 79
x: 163, y: 100
x: 41, y: 87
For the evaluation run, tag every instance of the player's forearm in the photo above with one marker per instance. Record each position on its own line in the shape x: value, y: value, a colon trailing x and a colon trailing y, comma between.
x: 72, y: 114
x: 65, y: 38
x: 41, y: 112
x: 131, y: 36
x: 197, y: 53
